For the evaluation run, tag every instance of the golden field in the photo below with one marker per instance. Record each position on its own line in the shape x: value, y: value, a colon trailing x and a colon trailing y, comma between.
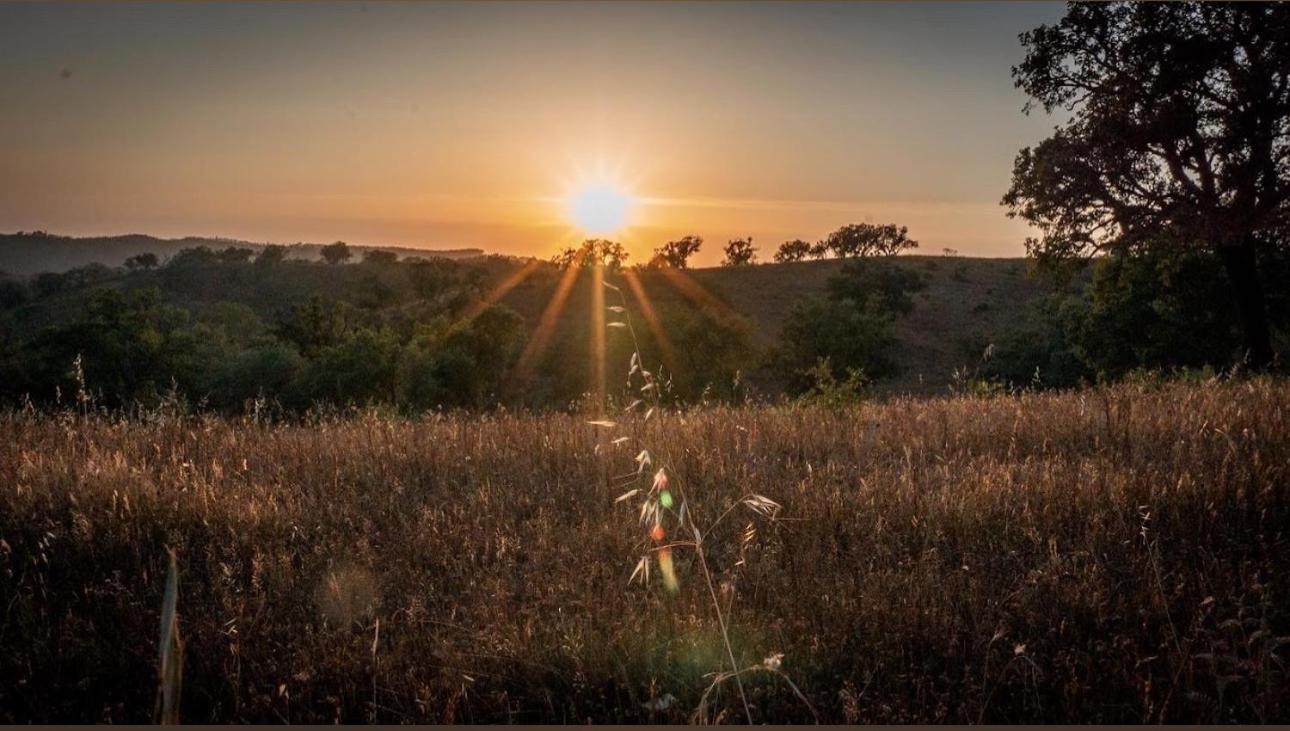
x: 1114, y: 554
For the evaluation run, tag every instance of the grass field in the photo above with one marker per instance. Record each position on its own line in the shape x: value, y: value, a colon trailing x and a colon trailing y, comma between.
x: 1116, y: 554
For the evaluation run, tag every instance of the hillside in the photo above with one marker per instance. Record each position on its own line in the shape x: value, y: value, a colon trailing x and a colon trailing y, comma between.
x: 966, y: 304
x: 27, y: 253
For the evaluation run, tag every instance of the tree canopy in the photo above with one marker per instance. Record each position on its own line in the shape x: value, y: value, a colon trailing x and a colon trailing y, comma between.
x: 1176, y: 134
x: 676, y: 254
x: 739, y: 252
x: 866, y: 239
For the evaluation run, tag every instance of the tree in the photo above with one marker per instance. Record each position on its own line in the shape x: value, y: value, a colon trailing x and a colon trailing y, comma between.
x: 676, y: 254
x: 852, y: 329
x: 271, y: 255
x: 141, y: 262
x: 610, y: 254
x: 739, y: 252
x: 1178, y: 136
x: 884, y: 288
x: 335, y: 253
x: 235, y: 255
x: 867, y: 239
x: 379, y: 257
x: 795, y: 250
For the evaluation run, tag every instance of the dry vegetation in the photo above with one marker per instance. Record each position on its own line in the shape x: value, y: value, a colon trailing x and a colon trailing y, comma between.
x: 1110, y: 555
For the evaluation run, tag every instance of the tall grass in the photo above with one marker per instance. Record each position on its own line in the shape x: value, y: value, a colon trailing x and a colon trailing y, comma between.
x: 1118, y: 554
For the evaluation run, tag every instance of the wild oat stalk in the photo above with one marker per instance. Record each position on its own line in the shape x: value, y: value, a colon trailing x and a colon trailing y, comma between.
x: 657, y: 500
x: 170, y: 660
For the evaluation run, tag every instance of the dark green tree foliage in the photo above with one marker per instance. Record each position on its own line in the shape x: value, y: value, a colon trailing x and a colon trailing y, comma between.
x: 1040, y: 353
x: 335, y: 253
x: 12, y: 293
x: 1153, y: 308
x: 1176, y: 135
x: 885, y: 289
x: 379, y: 257
x: 1157, y: 310
x: 313, y: 326
x: 360, y: 368
x: 146, y: 260
x: 235, y: 255
x: 125, y: 342
x: 391, y: 333
x: 851, y: 328
x: 271, y: 255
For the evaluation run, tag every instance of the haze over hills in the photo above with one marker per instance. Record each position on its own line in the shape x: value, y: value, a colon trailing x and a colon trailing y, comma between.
x: 32, y: 252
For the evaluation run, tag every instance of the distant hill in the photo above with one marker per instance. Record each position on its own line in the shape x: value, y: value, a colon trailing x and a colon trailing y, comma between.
x: 967, y: 304
x: 25, y: 253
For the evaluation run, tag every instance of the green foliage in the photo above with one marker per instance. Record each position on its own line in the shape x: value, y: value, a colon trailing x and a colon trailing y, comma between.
x: 829, y: 391
x: 125, y: 342
x: 379, y: 257
x: 12, y: 293
x: 845, y: 336
x: 146, y: 260
x: 1156, y: 309
x: 1039, y: 352
x: 885, y: 289
x: 851, y: 330
x: 271, y: 255
x: 335, y: 253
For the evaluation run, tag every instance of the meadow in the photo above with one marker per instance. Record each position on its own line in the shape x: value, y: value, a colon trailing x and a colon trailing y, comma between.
x: 1116, y: 554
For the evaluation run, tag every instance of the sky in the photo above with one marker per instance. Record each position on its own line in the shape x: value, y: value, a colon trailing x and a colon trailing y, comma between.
x: 451, y: 125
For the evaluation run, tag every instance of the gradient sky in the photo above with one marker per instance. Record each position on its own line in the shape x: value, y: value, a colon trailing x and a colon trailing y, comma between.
x: 450, y: 125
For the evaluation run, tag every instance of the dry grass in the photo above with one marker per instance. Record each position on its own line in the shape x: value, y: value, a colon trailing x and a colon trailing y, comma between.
x: 1110, y: 555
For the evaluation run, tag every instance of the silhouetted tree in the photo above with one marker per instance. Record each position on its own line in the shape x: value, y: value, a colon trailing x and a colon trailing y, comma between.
x: 141, y: 262
x: 739, y: 252
x: 676, y: 254
x: 1178, y: 135
x: 235, y: 255
x: 335, y: 253
x: 378, y: 256
x: 611, y: 254
x: 795, y: 250
x: 866, y: 239
x: 12, y: 293
x: 271, y: 254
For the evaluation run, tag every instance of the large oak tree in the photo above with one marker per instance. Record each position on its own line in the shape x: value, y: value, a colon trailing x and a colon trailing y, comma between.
x: 1175, y: 132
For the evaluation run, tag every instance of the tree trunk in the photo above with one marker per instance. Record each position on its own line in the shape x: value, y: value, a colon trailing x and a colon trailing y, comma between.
x: 1242, y: 270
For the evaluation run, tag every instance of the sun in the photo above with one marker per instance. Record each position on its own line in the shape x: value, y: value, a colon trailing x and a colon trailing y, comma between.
x: 600, y: 208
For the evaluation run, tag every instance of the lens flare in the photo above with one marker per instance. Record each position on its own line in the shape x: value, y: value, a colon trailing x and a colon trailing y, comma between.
x: 669, y: 572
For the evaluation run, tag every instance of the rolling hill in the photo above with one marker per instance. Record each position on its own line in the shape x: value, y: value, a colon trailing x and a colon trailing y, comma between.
x: 26, y: 253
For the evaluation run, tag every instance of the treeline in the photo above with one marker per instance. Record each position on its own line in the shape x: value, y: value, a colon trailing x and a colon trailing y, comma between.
x: 1152, y: 309
x: 232, y: 330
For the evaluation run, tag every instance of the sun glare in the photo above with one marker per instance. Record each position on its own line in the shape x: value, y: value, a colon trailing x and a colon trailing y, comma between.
x: 600, y: 208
